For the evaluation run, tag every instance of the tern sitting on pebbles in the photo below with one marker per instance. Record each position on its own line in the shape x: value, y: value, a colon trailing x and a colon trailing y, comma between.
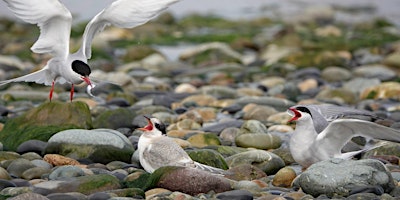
x: 308, y: 146
x: 54, y: 21
x: 157, y: 150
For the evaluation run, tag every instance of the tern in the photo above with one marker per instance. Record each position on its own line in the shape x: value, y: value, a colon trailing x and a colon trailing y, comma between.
x: 157, y: 150
x: 54, y: 21
x: 308, y: 146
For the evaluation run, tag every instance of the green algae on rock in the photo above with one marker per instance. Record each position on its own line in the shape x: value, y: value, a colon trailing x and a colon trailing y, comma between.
x: 42, y: 122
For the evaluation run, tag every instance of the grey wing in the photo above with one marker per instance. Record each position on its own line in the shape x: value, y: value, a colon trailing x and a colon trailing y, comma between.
x: 332, y: 112
x: 166, y: 152
x: 340, y: 131
x: 213, y: 170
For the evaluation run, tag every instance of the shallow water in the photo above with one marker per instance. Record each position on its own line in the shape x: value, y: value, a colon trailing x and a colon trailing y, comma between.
x: 85, y: 10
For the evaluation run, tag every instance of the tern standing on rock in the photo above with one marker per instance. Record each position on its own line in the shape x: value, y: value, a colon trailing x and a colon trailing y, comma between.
x: 309, y: 145
x: 54, y: 21
x: 158, y: 150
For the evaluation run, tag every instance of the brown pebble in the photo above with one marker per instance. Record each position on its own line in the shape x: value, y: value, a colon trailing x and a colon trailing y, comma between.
x: 59, y: 160
x: 284, y: 177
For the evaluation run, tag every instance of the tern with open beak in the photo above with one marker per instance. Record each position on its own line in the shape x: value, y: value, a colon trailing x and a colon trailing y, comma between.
x: 308, y: 146
x: 54, y: 21
x: 157, y: 150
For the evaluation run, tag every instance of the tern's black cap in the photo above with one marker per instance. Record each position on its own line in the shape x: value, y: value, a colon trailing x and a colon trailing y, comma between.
x: 81, y: 68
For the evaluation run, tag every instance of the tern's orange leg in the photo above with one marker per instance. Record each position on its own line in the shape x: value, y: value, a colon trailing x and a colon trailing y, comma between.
x: 71, y: 95
x: 51, y: 90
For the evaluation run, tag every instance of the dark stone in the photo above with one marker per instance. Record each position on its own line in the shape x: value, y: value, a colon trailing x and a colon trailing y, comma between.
x: 220, y: 126
x: 99, y: 196
x: 6, y: 183
x: 36, y: 146
x: 235, y: 195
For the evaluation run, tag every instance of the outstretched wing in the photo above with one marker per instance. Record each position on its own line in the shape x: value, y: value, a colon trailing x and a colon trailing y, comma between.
x: 340, y: 131
x: 53, y: 19
x: 123, y: 14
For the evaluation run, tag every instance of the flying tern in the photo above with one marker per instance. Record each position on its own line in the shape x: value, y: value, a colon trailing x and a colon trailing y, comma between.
x: 54, y: 21
x: 308, y: 146
x: 157, y: 150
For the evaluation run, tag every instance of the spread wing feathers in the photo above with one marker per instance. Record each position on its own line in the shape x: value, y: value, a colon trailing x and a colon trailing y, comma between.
x: 332, y: 112
x: 340, y: 131
x: 123, y: 14
x: 41, y: 77
x: 53, y: 19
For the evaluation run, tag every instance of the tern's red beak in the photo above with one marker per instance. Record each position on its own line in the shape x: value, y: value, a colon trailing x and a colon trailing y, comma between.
x: 294, y: 113
x: 87, y: 80
x: 149, y: 125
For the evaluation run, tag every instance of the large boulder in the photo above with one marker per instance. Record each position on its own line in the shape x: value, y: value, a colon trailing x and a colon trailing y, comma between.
x: 344, y: 177
x: 42, y: 122
x: 97, y: 145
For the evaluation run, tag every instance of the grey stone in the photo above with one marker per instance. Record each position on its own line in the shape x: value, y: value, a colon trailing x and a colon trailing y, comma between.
x: 266, y: 161
x: 66, y: 171
x: 98, y: 145
x: 341, y: 177
x: 19, y: 166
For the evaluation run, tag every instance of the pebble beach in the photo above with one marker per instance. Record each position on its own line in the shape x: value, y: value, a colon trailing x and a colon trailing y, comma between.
x: 222, y: 86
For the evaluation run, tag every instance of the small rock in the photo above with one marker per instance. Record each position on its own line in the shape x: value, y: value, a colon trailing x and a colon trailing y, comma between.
x: 245, y: 172
x: 380, y: 72
x: 66, y: 171
x: 208, y: 157
x: 266, y: 161
x: 258, y: 112
x: 34, y: 173
x: 30, y: 196
x: 386, y: 90
x: 19, y: 166
x: 253, y: 126
x: 258, y: 140
x: 201, y: 140
x: 284, y: 177
x: 235, y: 195
x: 59, y: 160
x: 336, y: 74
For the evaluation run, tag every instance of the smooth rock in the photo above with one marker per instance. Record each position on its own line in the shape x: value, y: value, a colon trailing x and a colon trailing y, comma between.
x: 84, y: 184
x: 258, y: 140
x: 190, y: 181
x: 41, y: 122
x: 380, y: 72
x: 67, y: 171
x: 386, y: 90
x: 220, y: 126
x: 59, y: 160
x: 339, y: 95
x: 341, y: 177
x: 4, y: 174
x: 6, y: 183
x: 208, y: 157
x: 201, y: 140
x: 235, y: 195
x: 245, y: 172
x: 358, y: 85
x: 257, y: 112
x: 32, y: 146
x: 114, y: 119
x: 30, y: 196
x: 253, y: 126
x: 266, y: 161
x: 97, y: 145
x: 19, y: 166
x: 284, y: 177
x: 67, y: 196
x: 277, y: 103
x: 34, y: 173
x: 336, y: 74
